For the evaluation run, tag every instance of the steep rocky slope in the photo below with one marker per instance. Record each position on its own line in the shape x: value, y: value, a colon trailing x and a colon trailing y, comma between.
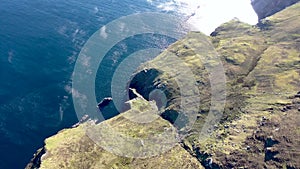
x: 259, y: 127
x: 265, y: 8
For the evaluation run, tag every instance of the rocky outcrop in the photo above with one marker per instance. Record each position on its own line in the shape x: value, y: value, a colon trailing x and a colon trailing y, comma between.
x: 265, y: 8
x: 259, y: 127
x: 36, y: 160
x: 73, y: 148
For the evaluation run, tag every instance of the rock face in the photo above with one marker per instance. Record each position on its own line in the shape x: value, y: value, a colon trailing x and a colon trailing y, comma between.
x: 265, y: 8
x: 259, y: 127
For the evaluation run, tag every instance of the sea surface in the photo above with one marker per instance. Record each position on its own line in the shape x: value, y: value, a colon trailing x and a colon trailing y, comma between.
x: 39, y: 43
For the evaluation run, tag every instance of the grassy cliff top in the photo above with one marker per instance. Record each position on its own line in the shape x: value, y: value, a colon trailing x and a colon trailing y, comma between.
x: 73, y: 148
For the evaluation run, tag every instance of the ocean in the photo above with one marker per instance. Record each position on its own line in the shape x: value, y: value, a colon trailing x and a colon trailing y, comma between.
x: 39, y: 44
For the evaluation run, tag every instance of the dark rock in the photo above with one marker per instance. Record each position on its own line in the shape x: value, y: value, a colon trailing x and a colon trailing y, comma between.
x: 270, y: 154
x: 240, y: 80
x: 248, y: 148
x: 108, y: 109
x: 209, y: 162
x: 264, y: 24
x: 104, y: 102
x: 269, y: 142
x: 265, y: 8
x: 290, y: 167
x: 284, y: 109
x: 82, y: 120
x: 289, y: 107
x: 35, y: 162
x: 201, y: 156
x: 269, y: 109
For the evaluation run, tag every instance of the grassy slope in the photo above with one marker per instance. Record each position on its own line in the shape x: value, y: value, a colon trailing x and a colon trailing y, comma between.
x: 72, y: 148
x: 262, y: 73
x: 263, y: 69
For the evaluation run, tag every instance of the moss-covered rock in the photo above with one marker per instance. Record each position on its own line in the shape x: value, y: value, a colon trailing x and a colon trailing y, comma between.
x: 73, y: 148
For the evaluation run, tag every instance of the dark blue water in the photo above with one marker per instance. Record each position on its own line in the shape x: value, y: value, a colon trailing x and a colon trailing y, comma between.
x: 39, y: 43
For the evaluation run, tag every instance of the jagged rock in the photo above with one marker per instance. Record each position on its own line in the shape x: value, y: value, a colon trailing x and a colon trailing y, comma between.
x: 104, y: 102
x: 84, y: 118
x: 35, y: 162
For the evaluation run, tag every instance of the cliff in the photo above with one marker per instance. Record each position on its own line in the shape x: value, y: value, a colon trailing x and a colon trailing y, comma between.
x: 265, y: 8
x: 259, y: 127
x: 72, y: 148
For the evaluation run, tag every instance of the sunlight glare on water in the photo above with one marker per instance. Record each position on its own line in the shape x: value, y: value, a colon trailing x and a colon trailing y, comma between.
x: 207, y: 15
